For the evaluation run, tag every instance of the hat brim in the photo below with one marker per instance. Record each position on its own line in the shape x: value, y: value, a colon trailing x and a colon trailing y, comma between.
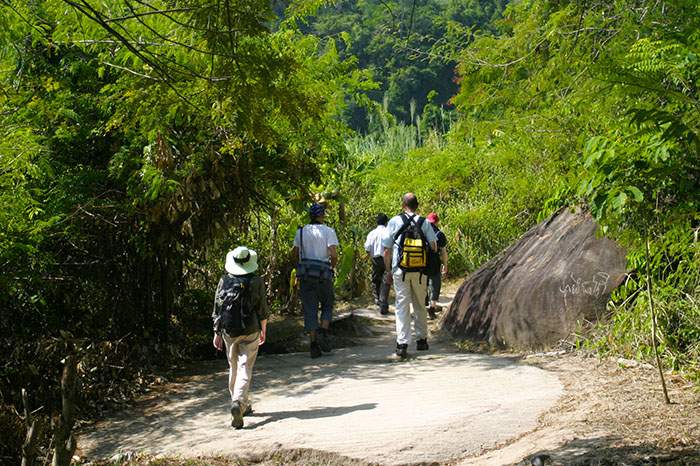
x: 235, y: 268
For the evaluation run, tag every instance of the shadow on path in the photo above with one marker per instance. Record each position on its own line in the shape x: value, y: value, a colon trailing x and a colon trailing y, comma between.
x: 305, y: 414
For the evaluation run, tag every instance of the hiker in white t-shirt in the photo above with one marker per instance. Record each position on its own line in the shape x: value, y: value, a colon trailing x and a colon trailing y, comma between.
x: 315, y: 255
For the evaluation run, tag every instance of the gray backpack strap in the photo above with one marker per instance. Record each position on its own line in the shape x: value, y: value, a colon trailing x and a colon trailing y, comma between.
x: 301, y: 243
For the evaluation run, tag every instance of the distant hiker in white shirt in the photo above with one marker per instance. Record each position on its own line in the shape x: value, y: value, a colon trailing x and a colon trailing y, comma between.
x: 375, y: 250
x: 315, y: 255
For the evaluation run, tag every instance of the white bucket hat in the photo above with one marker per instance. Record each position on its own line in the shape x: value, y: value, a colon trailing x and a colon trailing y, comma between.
x: 241, y: 261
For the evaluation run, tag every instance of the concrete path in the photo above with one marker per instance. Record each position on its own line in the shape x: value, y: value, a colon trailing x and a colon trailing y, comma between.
x: 360, y: 402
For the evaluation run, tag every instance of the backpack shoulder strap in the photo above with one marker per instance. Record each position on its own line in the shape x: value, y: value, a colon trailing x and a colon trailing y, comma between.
x: 406, y: 221
x: 301, y: 243
x: 420, y: 222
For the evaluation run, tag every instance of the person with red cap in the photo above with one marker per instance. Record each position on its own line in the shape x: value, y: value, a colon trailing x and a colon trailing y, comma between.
x: 433, y: 271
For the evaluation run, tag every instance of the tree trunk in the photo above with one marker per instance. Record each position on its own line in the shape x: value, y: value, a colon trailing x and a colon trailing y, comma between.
x: 33, y: 431
x: 653, y: 320
x: 64, y: 439
x: 165, y: 291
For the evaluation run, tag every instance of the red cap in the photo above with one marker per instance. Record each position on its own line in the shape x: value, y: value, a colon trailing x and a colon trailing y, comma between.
x: 432, y: 217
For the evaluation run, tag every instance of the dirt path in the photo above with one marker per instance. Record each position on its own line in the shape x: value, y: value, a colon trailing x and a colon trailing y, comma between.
x: 612, y: 413
x: 439, y: 407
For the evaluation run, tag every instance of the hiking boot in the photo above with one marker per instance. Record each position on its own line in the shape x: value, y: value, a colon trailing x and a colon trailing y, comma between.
x: 384, y: 311
x: 315, y: 350
x: 422, y: 345
x: 401, y: 350
x: 323, y: 340
x: 237, y: 415
x: 248, y: 410
x: 431, y: 313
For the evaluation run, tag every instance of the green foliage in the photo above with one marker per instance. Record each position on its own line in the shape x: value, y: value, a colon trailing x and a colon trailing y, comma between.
x: 137, y: 138
x: 345, y: 265
x: 137, y: 147
x: 641, y: 179
x: 674, y: 260
x: 484, y: 202
x: 567, y: 103
x: 393, y: 40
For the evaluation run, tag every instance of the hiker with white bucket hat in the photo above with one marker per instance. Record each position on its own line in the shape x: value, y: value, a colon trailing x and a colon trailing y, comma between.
x: 240, y: 323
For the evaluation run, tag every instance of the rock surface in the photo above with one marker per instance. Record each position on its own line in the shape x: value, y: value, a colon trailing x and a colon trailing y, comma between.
x: 535, y: 293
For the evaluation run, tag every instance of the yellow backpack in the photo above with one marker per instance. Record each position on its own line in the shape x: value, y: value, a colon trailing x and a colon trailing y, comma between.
x: 413, y: 246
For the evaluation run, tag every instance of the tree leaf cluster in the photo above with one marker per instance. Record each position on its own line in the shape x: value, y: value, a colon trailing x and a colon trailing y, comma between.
x: 137, y: 140
x: 394, y: 41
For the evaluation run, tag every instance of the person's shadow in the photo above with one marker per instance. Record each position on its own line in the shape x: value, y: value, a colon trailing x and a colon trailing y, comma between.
x: 315, y: 413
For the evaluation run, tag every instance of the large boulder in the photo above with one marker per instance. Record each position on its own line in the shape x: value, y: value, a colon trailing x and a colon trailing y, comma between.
x: 535, y: 293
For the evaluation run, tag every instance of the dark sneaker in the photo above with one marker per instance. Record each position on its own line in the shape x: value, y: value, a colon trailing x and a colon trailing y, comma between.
x: 384, y: 311
x: 323, y: 340
x: 422, y: 345
x: 431, y: 313
x: 401, y: 350
x: 315, y: 350
x: 237, y: 415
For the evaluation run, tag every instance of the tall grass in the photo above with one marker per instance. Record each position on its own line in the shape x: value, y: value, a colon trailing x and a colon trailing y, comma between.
x: 676, y: 285
x: 470, y: 188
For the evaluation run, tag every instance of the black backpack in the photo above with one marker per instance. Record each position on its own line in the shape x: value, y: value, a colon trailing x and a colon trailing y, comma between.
x: 433, y: 264
x: 413, y: 246
x: 233, y: 304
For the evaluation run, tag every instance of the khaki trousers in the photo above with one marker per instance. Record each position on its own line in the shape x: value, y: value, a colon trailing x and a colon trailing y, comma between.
x: 410, y: 289
x: 241, y: 352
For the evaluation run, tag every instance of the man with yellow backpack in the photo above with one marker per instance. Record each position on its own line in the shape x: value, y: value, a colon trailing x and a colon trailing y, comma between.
x: 405, y: 259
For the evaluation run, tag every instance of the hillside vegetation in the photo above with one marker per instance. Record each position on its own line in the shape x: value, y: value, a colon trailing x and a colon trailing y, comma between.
x: 142, y: 140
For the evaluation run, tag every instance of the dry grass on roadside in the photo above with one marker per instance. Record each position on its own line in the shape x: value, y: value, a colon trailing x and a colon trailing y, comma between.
x: 617, y: 414
x: 299, y: 457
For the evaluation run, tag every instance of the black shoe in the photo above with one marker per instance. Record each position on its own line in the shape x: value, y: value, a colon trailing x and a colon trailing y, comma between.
x: 401, y: 350
x: 422, y: 345
x: 431, y: 313
x: 384, y: 311
x: 237, y: 415
x: 315, y: 350
x: 323, y: 340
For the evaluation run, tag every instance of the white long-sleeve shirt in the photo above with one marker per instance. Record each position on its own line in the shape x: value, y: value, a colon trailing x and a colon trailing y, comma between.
x: 375, y: 239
